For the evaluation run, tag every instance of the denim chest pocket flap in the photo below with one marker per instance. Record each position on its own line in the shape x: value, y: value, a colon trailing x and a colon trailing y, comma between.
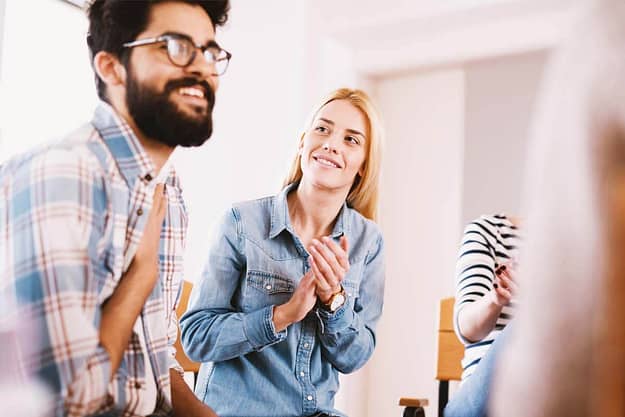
x: 269, y: 283
x: 264, y: 288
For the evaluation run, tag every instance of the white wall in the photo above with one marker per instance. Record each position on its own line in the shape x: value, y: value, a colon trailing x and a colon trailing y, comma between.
x: 500, y: 95
x: 421, y: 205
x: 2, y: 7
x: 259, y: 114
x: 46, y: 87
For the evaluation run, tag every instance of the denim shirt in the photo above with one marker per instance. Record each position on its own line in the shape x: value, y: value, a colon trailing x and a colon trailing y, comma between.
x: 255, y: 263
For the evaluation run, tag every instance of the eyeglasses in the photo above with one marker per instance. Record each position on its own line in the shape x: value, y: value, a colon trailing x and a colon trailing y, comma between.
x: 181, y: 51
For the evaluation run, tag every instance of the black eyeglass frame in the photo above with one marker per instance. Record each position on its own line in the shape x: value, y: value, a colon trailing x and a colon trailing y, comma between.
x: 180, y: 36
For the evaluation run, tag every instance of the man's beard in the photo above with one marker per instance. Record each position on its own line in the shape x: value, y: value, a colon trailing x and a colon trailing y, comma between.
x: 160, y: 119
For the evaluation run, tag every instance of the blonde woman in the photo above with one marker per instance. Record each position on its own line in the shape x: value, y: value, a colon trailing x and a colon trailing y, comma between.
x: 293, y: 287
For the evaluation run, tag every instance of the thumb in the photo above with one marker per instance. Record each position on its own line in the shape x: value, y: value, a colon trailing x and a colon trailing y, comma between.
x: 344, y: 244
x: 159, y: 202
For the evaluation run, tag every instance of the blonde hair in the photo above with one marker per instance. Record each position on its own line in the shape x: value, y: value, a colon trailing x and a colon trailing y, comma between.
x: 364, y: 194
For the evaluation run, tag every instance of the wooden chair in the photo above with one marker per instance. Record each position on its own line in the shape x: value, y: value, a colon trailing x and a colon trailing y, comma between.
x: 448, y: 368
x: 187, y: 364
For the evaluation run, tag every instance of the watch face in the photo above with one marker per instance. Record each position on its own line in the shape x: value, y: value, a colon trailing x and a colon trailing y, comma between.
x: 337, y: 302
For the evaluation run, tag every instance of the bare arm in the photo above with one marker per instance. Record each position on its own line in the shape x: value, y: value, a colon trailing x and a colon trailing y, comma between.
x: 477, y: 319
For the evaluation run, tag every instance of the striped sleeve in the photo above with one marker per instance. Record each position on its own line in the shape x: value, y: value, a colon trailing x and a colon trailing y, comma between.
x: 487, y: 242
x: 475, y: 267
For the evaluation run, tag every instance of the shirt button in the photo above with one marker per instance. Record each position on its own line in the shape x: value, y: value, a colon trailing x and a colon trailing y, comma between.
x: 268, y: 287
x: 148, y: 177
x: 137, y: 385
x: 302, y: 373
x: 309, y: 398
x: 306, y: 345
x: 139, y: 211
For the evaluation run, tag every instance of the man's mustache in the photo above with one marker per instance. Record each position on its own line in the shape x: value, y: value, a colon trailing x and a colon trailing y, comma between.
x: 209, y: 94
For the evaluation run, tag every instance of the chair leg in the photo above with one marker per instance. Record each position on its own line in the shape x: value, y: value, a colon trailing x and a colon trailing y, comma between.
x: 414, y: 412
x: 443, y: 396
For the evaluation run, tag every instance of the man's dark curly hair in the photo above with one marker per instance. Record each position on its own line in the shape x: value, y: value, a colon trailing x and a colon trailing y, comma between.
x: 115, y: 22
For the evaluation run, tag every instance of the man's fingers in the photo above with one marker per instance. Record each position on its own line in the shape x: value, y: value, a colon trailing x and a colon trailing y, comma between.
x: 159, y: 204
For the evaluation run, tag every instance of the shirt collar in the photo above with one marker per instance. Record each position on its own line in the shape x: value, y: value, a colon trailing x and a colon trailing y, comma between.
x: 280, y: 219
x: 131, y: 158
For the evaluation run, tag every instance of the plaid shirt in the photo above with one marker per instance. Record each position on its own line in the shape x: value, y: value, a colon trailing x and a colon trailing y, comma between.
x: 69, y: 212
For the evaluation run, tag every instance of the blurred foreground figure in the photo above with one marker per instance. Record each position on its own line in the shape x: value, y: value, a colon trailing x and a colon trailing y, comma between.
x: 566, y: 356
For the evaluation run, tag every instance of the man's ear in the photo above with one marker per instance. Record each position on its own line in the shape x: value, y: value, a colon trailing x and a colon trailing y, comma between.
x: 109, y: 69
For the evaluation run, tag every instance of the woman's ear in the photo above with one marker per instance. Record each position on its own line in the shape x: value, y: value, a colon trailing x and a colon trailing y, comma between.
x: 361, y: 170
x: 109, y: 69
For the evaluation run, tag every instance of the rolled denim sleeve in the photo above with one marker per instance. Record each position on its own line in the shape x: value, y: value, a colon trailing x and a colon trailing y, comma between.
x: 212, y: 329
x: 348, y: 335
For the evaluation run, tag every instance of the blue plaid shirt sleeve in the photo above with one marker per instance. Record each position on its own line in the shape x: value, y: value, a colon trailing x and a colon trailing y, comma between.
x: 52, y: 223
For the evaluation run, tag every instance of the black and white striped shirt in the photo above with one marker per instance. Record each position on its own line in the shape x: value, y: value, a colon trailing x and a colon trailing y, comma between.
x: 488, y: 242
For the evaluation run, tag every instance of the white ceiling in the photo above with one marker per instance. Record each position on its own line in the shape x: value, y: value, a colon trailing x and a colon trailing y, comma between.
x: 397, y: 35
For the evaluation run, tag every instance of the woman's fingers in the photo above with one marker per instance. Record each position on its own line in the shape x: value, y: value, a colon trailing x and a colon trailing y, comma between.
x: 508, y: 283
x: 340, y: 252
x: 329, y: 263
x: 322, y: 282
x: 325, y: 269
x: 502, y: 290
x: 344, y: 243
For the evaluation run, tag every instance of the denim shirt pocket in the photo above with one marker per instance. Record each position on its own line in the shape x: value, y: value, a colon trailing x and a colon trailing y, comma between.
x: 265, y: 288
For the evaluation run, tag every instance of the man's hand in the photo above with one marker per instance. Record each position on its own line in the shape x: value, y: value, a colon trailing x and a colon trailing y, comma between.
x: 147, y: 251
x: 120, y: 311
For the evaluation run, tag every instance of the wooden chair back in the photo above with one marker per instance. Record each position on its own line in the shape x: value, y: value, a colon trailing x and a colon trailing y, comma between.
x: 187, y: 364
x: 448, y: 368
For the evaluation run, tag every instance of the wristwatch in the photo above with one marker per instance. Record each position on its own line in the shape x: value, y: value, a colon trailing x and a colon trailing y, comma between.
x: 336, y: 301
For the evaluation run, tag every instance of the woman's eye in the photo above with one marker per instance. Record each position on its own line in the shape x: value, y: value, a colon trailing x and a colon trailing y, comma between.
x: 352, y: 139
x: 321, y: 129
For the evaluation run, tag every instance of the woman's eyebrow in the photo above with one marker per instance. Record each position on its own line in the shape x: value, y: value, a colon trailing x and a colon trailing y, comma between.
x: 354, y: 131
